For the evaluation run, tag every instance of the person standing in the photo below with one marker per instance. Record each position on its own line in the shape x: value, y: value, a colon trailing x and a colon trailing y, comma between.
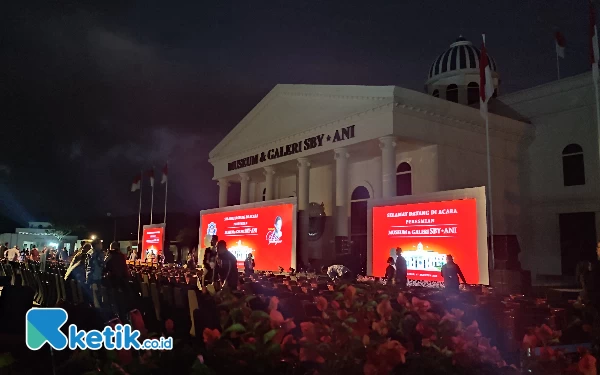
x: 401, y: 269
x: 94, y: 263
x: 249, y: 265
x: 12, y: 254
x: 43, y: 259
x: 3, y: 249
x: 35, y: 254
x: 227, y: 266
x: 115, y: 265
x: 451, y: 272
x: 390, y: 271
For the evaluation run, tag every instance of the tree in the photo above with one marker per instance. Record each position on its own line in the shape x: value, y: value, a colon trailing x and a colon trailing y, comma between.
x: 61, y: 231
x: 187, y: 237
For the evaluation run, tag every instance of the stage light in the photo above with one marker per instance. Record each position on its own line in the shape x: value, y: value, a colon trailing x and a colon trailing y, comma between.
x: 93, y: 237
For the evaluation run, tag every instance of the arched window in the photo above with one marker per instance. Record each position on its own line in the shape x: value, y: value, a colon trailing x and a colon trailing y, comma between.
x: 573, y: 165
x: 435, y: 93
x: 264, y: 194
x: 472, y: 93
x: 452, y: 93
x: 403, y: 179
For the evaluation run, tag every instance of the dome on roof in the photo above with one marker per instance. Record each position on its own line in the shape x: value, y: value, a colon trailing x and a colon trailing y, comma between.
x: 462, y: 55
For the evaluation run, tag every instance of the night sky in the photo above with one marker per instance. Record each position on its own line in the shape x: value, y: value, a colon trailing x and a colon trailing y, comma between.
x: 91, y: 93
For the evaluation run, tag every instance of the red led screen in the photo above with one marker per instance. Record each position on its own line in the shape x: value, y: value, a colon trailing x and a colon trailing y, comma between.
x: 427, y: 232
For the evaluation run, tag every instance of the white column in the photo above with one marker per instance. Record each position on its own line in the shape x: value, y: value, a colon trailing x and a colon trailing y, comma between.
x: 341, y: 192
x: 303, y: 183
x: 245, y: 182
x: 388, y: 165
x: 223, y: 185
x: 270, y: 183
x: 303, y: 202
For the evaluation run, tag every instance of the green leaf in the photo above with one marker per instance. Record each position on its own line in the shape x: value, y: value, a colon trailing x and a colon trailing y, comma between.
x: 249, y: 298
x: 338, y: 296
x: 259, y: 314
x: 350, y: 320
x: 6, y: 359
x: 384, y: 296
x: 371, y: 304
x: 269, y: 335
x: 250, y: 347
x: 235, y: 328
x: 236, y: 315
x: 273, y: 349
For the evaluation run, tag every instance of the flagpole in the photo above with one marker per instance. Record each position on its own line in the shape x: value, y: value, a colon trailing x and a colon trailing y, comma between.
x: 152, y: 203
x: 489, y: 177
x: 166, y: 190
x: 140, y: 212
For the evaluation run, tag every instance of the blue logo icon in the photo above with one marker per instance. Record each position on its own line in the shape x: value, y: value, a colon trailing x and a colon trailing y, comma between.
x: 43, y: 326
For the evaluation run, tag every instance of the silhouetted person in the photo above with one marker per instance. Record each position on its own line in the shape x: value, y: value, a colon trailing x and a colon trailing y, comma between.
x: 249, y: 265
x: 115, y: 265
x: 228, y: 272
x: 451, y: 272
x: 401, y: 269
x: 390, y: 271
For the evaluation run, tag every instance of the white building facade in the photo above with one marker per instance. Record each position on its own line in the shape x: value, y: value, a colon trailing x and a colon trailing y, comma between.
x: 40, y: 235
x: 334, y: 147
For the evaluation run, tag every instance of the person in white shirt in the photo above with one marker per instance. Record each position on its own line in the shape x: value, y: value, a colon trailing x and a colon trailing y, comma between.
x: 13, y: 254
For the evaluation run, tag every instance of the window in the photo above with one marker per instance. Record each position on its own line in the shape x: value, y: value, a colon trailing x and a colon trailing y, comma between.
x: 472, y: 93
x: 435, y: 93
x: 573, y: 166
x: 403, y: 179
x: 452, y: 93
x: 264, y: 194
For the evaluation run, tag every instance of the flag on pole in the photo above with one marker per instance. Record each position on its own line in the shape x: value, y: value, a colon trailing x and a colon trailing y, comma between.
x: 594, y: 54
x: 164, y: 174
x: 150, y: 175
x: 560, y: 44
x: 486, y: 81
x: 135, y: 186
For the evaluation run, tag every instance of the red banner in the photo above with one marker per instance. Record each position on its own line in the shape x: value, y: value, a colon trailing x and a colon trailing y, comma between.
x: 152, y: 243
x: 264, y: 232
x: 427, y: 232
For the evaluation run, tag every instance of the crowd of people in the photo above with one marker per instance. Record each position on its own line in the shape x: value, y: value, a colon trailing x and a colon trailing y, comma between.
x: 16, y: 254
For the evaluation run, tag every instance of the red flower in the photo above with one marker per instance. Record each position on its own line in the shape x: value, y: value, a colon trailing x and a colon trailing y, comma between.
x: 458, y: 313
x: 335, y: 305
x: 388, y: 355
x: 288, y: 344
x: 310, y: 354
x: 326, y: 339
x: 321, y: 303
x: 349, y: 294
x: 530, y: 341
x: 587, y: 365
x: 342, y: 314
x: 402, y: 300
x: 308, y: 331
x: 384, y: 309
x: 273, y: 303
x: 211, y: 335
x: 169, y: 326
x: 472, y: 331
x: 425, y: 330
x: 276, y: 318
x: 380, y: 327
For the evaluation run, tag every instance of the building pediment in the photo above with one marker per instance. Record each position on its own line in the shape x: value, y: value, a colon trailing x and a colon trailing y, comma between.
x: 290, y: 110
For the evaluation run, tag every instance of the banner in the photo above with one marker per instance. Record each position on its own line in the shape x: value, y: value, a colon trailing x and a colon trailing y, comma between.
x: 152, y: 242
x: 265, y: 232
x: 427, y: 233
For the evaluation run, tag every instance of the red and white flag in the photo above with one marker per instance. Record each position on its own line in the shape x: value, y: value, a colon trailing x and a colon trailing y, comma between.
x: 594, y: 55
x: 486, y: 81
x: 165, y: 174
x: 150, y: 174
x: 560, y: 44
x: 136, y: 185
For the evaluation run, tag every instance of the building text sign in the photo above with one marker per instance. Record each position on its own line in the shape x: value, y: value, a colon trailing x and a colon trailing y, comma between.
x: 293, y: 148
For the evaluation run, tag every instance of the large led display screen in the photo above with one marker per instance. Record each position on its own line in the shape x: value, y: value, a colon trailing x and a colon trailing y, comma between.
x: 266, y: 232
x: 427, y: 233
x: 152, y: 242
